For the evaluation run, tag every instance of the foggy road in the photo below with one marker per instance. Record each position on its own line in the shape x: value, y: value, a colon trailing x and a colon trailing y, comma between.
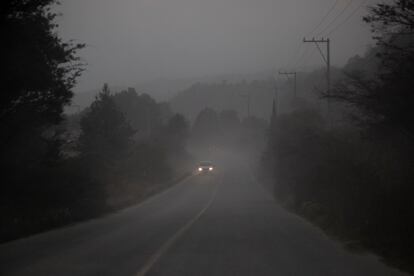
x: 218, y: 224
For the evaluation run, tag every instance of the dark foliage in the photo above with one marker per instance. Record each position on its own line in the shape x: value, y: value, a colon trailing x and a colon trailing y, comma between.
x: 39, y: 71
x: 176, y: 133
x: 358, y: 187
x: 39, y: 68
x: 143, y: 113
x: 384, y: 101
x: 355, y: 189
x: 105, y: 133
x: 110, y: 168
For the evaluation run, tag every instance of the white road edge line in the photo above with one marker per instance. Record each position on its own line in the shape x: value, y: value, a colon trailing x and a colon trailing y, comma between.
x: 157, y: 195
x: 167, y: 245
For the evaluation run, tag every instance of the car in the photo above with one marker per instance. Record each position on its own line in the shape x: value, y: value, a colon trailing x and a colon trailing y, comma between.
x: 205, y: 167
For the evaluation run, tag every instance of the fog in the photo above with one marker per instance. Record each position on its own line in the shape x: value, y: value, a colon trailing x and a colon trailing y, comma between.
x: 130, y: 41
x: 207, y: 137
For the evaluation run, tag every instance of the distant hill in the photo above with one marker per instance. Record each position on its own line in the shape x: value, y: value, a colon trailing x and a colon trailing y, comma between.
x: 233, y: 94
x: 229, y: 91
x: 226, y: 95
x: 159, y: 89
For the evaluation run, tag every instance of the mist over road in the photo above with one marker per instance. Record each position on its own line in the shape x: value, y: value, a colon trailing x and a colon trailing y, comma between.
x: 219, y: 224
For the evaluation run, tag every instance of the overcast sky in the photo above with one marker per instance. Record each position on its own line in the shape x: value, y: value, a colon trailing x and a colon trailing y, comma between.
x: 130, y: 41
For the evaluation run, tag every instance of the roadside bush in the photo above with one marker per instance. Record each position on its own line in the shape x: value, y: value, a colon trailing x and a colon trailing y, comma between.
x: 50, y: 196
x: 355, y: 188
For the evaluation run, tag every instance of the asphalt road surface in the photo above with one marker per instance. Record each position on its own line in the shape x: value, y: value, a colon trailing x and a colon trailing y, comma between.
x: 217, y: 224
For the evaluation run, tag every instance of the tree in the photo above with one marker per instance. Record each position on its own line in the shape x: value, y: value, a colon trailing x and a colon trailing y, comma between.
x: 143, y: 112
x: 205, y: 129
x: 40, y: 69
x: 105, y: 132
x: 385, y: 102
x: 393, y: 28
x: 176, y: 133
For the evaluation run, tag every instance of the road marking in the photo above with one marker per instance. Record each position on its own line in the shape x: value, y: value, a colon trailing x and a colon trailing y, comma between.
x: 157, y: 195
x: 160, y: 194
x: 167, y: 245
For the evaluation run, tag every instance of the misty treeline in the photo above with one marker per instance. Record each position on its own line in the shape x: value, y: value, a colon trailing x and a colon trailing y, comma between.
x: 353, y: 175
x: 251, y: 96
x: 118, y: 151
x: 226, y: 95
x: 131, y: 145
x: 57, y: 168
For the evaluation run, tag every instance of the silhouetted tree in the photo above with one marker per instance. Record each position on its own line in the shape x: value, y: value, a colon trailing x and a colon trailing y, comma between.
x: 105, y: 132
x: 143, y: 113
x: 40, y: 69
x: 386, y: 102
x: 176, y: 133
x: 205, y: 129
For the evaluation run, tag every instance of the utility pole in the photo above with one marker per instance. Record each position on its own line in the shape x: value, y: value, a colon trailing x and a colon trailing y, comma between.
x: 326, y: 58
x: 294, y: 74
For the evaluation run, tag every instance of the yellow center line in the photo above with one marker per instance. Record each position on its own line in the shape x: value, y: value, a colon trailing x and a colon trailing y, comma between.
x: 167, y: 245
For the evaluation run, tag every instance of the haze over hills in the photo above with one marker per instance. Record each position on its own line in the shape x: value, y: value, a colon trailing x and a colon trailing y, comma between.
x: 160, y: 90
x: 254, y: 96
x: 247, y: 94
x: 163, y: 89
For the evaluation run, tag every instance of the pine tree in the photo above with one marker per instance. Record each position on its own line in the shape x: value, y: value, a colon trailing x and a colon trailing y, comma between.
x: 105, y: 131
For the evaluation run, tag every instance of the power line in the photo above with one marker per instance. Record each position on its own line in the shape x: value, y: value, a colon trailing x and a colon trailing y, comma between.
x: 326, y: 57
x: 336, y: 18
x: 324, y: 17
x: 292, y: 60
x: 305, y: 54
x: 348, y: 17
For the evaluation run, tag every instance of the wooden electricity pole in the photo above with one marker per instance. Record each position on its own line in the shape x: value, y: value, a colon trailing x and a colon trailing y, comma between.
x: 326, y: 58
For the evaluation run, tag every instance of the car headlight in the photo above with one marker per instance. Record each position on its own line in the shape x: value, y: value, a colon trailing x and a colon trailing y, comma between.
x: 200, y: 169
x: 210, y: 169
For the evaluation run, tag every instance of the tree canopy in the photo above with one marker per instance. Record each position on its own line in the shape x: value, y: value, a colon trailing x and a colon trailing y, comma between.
x: 384, y: 101
x: 105, y: 131
x: 40, y: 69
